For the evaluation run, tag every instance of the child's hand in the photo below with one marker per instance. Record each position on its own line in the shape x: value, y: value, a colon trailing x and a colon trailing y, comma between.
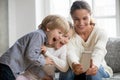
x: 77, y: 68
x: 49, y: 60
x: 43, y: 49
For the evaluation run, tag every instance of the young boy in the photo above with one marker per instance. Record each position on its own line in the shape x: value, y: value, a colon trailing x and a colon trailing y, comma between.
x: 26, y: 51
x: 57, y: 54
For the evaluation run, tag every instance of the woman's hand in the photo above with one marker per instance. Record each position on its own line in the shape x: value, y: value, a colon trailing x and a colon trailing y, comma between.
x: 77, y: 68
x: 92, y: 70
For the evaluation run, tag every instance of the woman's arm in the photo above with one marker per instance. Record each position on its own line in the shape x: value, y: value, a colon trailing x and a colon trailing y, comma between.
x: 100, y: 48
x: 73, y: 52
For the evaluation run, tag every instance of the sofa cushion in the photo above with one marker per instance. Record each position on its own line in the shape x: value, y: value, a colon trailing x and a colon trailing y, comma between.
x: 113, y: 54
x: 116, y: 75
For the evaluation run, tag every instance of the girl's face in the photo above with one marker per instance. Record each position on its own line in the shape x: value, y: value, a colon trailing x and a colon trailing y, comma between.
x: 64, y: 40
x: 81, y: 19
x: 53, y: 36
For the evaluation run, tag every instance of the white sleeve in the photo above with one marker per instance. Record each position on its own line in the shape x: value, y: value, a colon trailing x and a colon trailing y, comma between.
x: 99, y: 51
x: 72, y: 53
x: 61, y: 61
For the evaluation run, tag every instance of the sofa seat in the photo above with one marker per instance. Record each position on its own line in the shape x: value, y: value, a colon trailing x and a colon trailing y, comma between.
x: 117, y: 75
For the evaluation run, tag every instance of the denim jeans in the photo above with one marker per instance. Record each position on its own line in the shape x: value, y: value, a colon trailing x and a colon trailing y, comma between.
x: 69, y: 75
x: 100, y: 74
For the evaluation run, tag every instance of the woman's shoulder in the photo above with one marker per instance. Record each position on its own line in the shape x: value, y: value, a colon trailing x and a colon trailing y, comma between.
x: 99, y: 31
x: 76, y: 38
x: 75, y: 41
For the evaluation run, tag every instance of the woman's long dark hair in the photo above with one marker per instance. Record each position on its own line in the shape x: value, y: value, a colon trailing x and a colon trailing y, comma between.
x: 80, y: 5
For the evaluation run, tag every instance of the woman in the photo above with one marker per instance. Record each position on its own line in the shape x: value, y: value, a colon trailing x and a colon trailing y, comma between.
x: 88, y: 37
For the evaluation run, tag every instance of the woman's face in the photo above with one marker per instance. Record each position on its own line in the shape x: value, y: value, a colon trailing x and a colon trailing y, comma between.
x: 81, y: 19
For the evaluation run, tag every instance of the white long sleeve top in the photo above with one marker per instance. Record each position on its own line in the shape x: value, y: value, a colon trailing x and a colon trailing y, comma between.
x: 95, y: 43
x: 59, y: 57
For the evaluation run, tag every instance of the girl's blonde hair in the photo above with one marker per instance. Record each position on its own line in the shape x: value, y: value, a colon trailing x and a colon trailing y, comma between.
x: 54, y: 22
x: 71, y: 28
x: 92, y: 22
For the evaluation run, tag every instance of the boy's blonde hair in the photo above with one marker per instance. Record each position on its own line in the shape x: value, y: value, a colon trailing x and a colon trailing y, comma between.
x: 54, y: 22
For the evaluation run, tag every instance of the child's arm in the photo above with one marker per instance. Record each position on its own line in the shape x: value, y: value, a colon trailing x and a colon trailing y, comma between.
x: 60, y: 61
x: 33, y: 51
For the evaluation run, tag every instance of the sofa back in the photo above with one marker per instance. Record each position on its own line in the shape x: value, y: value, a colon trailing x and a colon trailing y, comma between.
x: 113, y: 54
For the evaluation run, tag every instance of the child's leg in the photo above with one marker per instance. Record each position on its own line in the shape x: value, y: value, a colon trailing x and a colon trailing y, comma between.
x: 69, y: 75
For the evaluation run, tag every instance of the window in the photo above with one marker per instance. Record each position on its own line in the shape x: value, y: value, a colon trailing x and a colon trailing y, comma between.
x: 104, y: 12
x: 61, y: 7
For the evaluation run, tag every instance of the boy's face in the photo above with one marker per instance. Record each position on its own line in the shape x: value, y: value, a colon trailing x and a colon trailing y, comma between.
x: 64, y: 40
x: 53, y: 36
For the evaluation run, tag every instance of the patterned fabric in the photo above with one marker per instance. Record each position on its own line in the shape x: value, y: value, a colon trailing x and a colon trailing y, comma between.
x: 113, y: 54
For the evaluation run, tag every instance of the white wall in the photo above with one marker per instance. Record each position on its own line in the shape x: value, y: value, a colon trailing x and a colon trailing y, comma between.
x: 118, y: 17
x: 22, y: 18
x: 3, y: 25
x: 42, y: 10
x: 25, y: 16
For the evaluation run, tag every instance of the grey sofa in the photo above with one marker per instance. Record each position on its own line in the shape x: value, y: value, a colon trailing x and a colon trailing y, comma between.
x: 113, y: 56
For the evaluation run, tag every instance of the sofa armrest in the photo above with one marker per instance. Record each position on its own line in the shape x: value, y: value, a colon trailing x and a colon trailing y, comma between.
x: 113, y: 54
